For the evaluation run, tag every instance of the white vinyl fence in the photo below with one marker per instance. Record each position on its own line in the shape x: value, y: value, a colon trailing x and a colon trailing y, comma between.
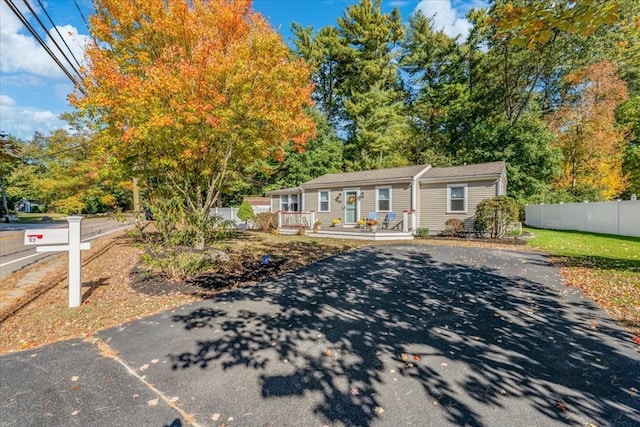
x: 232, y: 214
x: 618, y: 217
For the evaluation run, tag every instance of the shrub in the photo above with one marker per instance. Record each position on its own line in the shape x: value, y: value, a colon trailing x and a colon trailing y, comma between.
x: 217, y: 228
x: 70, y: 206
x: 169, y: 216
x: 180, y: 228
x: 493, y: 216
x: 245, y: 211
x: 177, y: 263
x: 514, y: 232
x: 453, y: 227
x: 422, y: 232
x: 266, y: 221
x: 109, y: 202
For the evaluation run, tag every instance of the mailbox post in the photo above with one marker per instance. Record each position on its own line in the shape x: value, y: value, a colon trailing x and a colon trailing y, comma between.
x: 72, y: 236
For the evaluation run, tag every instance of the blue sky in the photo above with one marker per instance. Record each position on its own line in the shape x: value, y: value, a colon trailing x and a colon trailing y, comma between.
x: 33, y: 89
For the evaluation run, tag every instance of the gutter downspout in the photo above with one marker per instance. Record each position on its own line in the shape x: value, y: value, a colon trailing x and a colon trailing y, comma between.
x: 414, y: 196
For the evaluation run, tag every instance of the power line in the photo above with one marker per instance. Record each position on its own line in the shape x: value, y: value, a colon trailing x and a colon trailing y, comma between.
x: 58, y: 31
x: 42, y: 43
x: 44, y: 27
x: 82, y: 15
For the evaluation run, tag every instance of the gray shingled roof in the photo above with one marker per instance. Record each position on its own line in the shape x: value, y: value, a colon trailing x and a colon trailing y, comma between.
x: 292, y: 190
x: 257, y: 201
x: 404, y: 174
x: 378, y: 175
x: 467, y: 171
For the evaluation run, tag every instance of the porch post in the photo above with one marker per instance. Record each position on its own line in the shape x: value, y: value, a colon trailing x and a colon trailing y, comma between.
x: 405, y: 221
x: 279, y: 219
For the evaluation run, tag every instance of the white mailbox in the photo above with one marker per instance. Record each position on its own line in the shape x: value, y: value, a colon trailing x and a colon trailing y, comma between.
x: 63, y: 239
x: 51, y: 236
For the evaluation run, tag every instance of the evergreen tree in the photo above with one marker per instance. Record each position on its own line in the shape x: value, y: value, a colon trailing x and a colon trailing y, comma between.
x: 439, y: 99
x: 372, y: 90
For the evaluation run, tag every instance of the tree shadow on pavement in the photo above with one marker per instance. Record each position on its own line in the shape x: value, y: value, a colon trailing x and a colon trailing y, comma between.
x: 477, y: 331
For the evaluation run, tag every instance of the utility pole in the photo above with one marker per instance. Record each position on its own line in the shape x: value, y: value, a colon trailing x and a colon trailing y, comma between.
x: 6, y: 155
x: 136, y: 196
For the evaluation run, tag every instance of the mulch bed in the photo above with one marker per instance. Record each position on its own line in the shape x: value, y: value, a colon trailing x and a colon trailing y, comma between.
x: 205, y: 285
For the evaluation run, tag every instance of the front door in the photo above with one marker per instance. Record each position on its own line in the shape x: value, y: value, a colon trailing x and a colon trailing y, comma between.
x: 351, y: 207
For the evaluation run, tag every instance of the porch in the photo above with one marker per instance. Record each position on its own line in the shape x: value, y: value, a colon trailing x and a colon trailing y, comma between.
x: 294, y: 222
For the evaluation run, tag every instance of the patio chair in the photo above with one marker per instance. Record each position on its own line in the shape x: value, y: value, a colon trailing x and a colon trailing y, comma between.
x: 388, y: 220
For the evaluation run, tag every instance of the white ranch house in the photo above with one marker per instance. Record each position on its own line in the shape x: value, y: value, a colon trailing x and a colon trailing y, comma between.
x: 412, y: 197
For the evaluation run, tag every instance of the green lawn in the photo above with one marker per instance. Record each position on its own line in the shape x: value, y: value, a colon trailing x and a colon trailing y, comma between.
x: 605, y: 267
x: 587, y: 245
x: 37, y: 217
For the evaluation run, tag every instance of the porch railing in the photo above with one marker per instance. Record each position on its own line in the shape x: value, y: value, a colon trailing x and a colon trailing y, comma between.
x: 296, y: 219
x: 409, y: 220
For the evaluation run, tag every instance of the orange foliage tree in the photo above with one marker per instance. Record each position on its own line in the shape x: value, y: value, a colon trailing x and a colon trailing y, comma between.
x: 587, y: 134
x: 534, y: 23
x: 186, y: 93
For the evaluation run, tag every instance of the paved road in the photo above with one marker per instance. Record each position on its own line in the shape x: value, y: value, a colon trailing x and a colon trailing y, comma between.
x: 14, y: 255
x: 383, y: 336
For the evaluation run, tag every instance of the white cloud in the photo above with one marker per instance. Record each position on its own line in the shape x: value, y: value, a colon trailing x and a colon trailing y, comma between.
x: 448, y: 17
x: 33, y: 88
x: 20, y: 52
x: 74, y: 40
x: 21, y: 80
x: 62, y: 90
x: 21, y: 122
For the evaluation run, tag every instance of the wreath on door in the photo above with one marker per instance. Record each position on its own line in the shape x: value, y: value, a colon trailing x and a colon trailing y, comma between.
x: 351, y: 200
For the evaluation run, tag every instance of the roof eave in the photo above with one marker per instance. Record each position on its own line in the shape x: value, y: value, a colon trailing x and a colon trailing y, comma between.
x: 458, y: 178
x: 351, y: 183
x: 284, y: 191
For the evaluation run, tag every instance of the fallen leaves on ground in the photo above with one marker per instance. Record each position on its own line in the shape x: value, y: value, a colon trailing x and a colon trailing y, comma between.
x: 109, y: 298
x: 615, y: 289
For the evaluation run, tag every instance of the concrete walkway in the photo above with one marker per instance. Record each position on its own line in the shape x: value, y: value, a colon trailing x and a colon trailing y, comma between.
x: 383, y: 336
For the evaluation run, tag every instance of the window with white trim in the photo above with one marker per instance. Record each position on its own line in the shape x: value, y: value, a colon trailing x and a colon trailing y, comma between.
x: 323, y: 201
x: 457, y: 198
x: 284, y: 203
x: 293, y: 203
x: 383, y: 199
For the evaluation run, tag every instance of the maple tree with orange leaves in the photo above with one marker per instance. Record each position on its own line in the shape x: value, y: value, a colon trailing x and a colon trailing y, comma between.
x: 586, y: 132
x: 188, y: 92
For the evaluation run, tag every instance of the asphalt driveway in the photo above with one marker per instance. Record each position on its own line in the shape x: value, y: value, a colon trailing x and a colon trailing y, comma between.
x: 382, y: 336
